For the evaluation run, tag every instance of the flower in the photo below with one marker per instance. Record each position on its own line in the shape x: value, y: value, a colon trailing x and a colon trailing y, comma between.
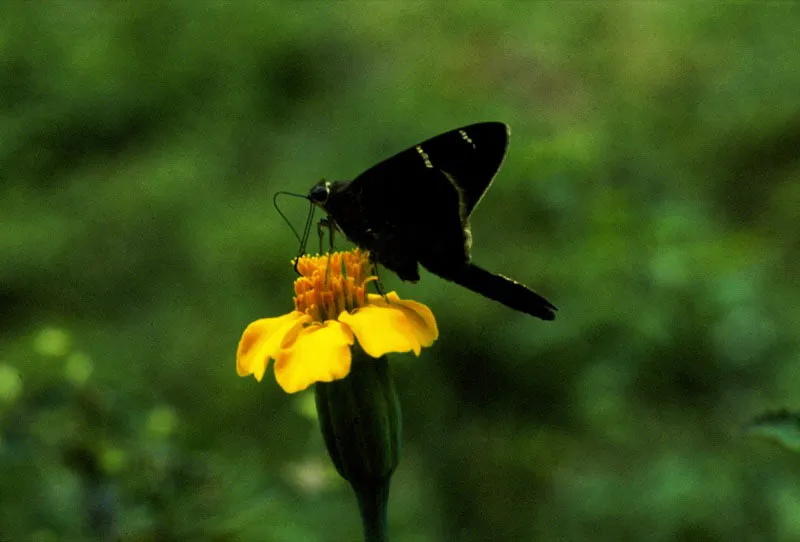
x: 332, y: 310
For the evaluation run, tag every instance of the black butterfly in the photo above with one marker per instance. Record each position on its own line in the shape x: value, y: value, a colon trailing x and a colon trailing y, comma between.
x: 414, y: 208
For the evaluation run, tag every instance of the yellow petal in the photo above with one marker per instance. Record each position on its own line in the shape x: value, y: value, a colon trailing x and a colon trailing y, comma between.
x: 396, y: 326
x: 262, y: 341
x: 319, y: 353
x: 423, y: 323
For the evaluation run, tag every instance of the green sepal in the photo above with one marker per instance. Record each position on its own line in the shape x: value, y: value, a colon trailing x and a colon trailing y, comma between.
x: 360, y: 420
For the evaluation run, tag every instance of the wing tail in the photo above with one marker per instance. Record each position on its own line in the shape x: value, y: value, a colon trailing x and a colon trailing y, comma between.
x: 502, y: 289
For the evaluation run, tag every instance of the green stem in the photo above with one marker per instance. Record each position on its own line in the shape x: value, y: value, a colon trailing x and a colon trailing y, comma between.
x: 373, y: 504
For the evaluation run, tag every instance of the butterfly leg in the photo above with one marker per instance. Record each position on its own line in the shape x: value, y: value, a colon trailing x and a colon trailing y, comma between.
x: 379, y: 284
x: 376, y: 268
x: 326, y: 224
x: 323, y: 224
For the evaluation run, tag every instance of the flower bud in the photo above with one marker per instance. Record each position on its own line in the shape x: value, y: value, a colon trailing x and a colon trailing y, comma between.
x: 360, y: 421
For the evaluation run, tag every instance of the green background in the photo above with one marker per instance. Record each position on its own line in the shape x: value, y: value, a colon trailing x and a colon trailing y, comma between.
x: 651, y: 191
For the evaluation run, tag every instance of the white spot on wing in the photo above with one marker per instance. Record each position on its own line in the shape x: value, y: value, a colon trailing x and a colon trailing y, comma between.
x: 425, y: 157
x: 466, y: 138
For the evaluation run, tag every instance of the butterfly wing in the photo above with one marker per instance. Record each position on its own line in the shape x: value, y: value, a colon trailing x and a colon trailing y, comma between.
x: 471, y: 156
x: 414, y: 207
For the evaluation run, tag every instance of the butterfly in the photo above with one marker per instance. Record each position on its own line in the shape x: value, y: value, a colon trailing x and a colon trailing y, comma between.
x: 414, y: 208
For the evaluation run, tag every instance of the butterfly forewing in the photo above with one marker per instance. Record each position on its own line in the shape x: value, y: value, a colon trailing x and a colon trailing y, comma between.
x: 471, y: 157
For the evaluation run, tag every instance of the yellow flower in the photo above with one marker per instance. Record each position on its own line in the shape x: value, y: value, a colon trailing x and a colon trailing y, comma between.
x: 332, y: 310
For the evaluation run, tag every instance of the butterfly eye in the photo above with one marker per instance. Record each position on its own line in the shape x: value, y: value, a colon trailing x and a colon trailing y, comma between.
x: 320, y: 192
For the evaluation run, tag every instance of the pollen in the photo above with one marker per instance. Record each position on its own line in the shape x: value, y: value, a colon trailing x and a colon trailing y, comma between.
x: 332, y: 283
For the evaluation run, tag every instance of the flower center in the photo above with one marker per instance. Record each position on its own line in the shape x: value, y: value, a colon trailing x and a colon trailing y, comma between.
x: 332, y: 283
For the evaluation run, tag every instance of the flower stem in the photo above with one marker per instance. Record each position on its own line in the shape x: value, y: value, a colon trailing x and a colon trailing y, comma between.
x: 373, y: 503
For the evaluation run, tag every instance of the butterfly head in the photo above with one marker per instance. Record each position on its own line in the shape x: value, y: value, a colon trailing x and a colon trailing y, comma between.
x: 320, y: 193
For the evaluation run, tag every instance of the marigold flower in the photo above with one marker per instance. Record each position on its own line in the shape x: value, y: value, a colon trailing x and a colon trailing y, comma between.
x: 332, y: 310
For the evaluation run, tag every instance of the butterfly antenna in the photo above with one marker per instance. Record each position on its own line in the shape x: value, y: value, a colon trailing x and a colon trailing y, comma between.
x: 275, y: 204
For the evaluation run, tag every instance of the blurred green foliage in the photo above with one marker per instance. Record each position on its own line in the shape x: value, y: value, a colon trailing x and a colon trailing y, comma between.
x: 651, y: 191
